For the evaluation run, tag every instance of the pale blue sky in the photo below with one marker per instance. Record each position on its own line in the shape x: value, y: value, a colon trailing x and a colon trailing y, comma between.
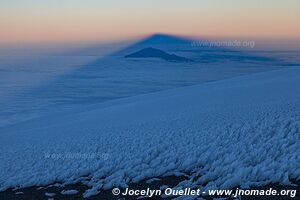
x: 47, y: 20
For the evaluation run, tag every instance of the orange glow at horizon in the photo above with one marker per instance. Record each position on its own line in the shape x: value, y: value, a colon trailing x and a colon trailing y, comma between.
x: 38, y: 25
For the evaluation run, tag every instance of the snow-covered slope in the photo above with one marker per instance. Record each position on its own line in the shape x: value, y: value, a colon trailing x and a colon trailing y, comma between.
x: 240, y: 131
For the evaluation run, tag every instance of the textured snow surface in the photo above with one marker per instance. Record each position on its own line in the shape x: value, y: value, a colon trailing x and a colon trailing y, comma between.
x: 69, y: 192
x: 241, y: 131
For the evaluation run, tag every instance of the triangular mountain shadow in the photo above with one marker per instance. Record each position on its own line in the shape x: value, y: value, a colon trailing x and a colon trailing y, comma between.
x: 114, y: 76
x: 159, y: 41
x: 179, y: 46
x: 163, y: 39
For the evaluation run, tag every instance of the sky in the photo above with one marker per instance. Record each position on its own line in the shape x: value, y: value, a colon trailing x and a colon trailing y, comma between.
x: 111, y: 20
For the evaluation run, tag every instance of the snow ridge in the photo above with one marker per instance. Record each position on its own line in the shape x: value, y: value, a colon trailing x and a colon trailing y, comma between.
x: 242, y: 131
